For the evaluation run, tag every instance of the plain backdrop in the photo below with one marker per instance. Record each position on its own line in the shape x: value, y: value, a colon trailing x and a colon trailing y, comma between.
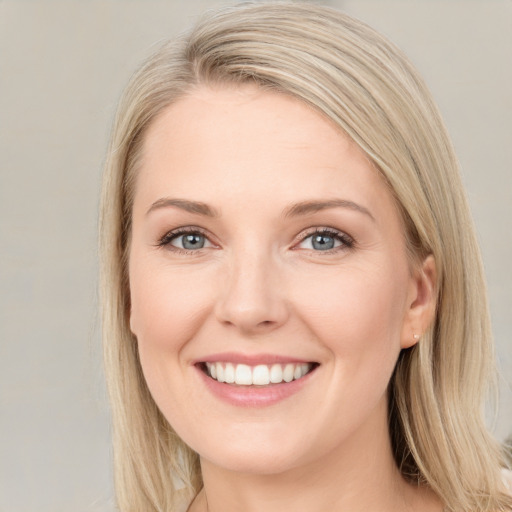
x: 62, y: 67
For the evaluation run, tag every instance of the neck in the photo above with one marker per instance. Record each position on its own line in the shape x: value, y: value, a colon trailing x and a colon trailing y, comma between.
x: 359, y: 475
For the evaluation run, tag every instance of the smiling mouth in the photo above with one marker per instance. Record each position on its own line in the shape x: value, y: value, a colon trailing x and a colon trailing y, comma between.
x: 258, y: 375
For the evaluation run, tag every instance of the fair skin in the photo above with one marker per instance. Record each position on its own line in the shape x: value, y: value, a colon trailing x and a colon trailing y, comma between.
x: 262, y: 236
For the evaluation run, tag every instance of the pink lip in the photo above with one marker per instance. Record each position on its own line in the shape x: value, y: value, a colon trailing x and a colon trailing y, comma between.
x: 251, y: 360
x: 252, y: 396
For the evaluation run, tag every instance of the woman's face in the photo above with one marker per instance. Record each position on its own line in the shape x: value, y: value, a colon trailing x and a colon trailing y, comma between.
x: 266, y: 249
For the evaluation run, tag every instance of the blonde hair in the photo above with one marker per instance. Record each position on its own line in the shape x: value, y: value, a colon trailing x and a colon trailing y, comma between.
x: 362, y: 83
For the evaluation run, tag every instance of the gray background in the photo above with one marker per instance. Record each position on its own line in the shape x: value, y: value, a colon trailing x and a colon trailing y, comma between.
x: 62, y: 67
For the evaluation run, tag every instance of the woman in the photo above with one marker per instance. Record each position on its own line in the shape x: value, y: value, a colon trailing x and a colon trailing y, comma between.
x: 294, y: 307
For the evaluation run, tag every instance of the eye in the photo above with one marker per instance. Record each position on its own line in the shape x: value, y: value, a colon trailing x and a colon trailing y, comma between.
x: 189, y: 241
x: 326, y: 240
x: 185, y: 240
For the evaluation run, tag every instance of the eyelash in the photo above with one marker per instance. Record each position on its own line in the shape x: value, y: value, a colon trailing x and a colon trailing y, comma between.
x: 347, y: 242
x: 166, y: 240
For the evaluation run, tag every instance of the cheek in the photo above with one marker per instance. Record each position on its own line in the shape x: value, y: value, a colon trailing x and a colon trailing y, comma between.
x: 357, y: 314
x: 357, y: 317
x: 167, y: 309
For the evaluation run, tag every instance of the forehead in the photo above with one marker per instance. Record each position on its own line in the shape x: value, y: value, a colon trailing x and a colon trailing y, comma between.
x: 234, y: 119
x: 257, y: 145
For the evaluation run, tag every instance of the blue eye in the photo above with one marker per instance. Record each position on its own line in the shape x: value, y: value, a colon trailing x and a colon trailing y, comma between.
x: 184, y: 241
x: 190, y: 241
x: 325, y: 240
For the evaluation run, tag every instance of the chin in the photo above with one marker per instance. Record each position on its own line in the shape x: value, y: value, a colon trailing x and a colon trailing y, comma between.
x: 250, y: 462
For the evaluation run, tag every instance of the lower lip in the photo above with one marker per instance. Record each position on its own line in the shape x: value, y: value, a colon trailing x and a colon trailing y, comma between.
x: 254, y: 396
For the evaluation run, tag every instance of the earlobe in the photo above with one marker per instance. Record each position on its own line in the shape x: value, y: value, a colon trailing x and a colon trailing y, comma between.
x: 421, y: 302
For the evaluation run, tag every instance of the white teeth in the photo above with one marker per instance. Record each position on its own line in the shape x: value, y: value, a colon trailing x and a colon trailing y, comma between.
x: 220, y: 372
x: 288, y: 373
x: 260, y: 375
x: 243, y: 375
x: 229, y: 373
x: 276, y: 374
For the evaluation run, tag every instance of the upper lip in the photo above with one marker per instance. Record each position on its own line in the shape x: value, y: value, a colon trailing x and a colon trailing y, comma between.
x: 250, y: 359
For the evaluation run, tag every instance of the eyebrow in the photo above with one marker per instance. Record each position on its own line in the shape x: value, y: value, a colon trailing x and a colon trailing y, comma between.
x: 309, y: 207
x: 295, y: 210
x: 184, y: 204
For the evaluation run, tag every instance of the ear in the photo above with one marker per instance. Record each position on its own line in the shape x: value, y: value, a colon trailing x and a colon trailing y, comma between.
x: 421, y: 302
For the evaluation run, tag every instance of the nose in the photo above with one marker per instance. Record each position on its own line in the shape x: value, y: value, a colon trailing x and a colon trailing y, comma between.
x: 251, y: 296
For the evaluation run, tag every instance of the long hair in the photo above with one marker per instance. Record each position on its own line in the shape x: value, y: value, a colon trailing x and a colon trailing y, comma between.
x: 365, y: 85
